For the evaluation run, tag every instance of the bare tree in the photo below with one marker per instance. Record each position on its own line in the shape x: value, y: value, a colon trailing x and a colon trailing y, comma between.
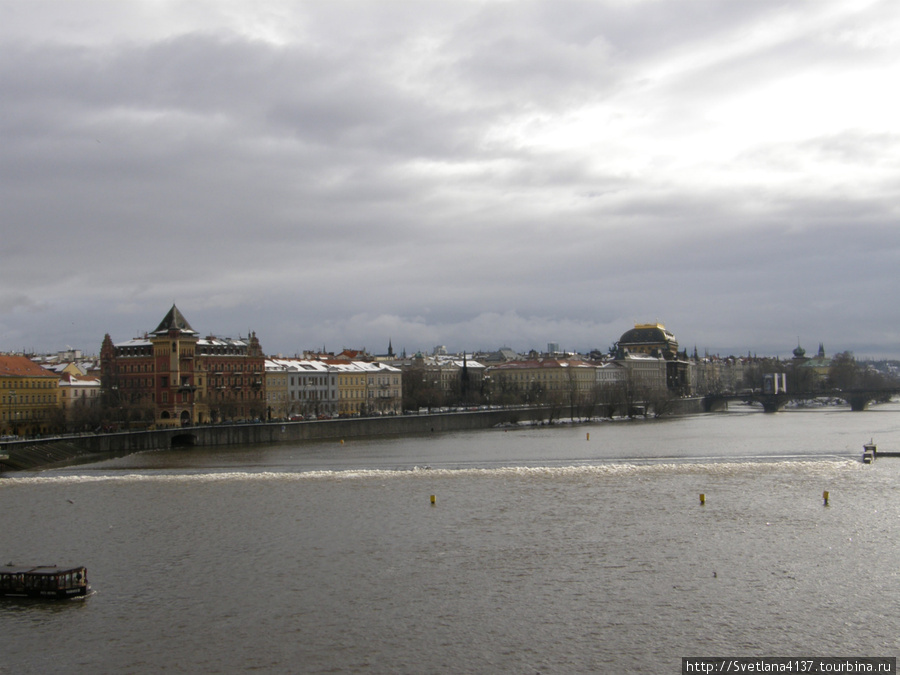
x: 844, y: 373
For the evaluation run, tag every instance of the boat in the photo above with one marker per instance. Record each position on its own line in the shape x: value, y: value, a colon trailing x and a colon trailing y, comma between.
x: 43, y: 581
x: 870, y: 452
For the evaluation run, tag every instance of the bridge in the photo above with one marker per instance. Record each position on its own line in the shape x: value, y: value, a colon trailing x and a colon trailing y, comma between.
x: 857, y: 399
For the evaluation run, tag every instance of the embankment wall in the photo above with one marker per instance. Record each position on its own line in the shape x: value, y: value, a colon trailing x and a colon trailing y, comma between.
x: 49, y: 452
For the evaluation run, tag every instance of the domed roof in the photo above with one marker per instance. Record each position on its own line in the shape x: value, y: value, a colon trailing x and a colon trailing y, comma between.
x: 648, y: 338
x: 646, y: 334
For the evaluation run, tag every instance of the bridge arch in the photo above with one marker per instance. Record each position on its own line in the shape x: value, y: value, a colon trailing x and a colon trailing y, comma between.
x: 185, y: 440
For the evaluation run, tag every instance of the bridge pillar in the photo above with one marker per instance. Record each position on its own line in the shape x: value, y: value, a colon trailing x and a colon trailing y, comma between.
x: 773, y: 403
x: 713, y: 403
x: 858, y: 402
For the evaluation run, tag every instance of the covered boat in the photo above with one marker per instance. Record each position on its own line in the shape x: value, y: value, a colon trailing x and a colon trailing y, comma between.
x: 870, y: 452
x: 43, y: 581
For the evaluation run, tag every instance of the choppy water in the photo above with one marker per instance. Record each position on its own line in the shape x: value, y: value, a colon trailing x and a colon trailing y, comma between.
x: 544, y: 551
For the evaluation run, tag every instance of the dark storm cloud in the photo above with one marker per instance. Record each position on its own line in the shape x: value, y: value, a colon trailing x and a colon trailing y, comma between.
x: 454, y: 173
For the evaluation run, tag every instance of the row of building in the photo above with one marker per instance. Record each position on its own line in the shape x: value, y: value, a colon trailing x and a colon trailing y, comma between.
x: 172, y: 376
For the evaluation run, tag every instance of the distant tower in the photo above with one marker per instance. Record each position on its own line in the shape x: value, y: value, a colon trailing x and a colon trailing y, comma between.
x: 390, y: 349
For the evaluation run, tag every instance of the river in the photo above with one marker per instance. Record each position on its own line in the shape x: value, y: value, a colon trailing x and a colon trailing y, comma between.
x: 561, y: 549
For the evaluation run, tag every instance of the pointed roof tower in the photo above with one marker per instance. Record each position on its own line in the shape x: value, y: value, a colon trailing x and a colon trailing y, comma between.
x: 174, y: 321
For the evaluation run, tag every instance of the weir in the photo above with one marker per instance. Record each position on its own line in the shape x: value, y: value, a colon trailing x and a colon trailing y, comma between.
x: 44, y: 453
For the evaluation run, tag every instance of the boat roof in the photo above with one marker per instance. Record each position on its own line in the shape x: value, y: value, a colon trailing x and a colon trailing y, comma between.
x: 39, y: 569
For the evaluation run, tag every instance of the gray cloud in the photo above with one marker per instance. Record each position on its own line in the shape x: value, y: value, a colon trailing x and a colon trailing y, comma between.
x: 467, y: 174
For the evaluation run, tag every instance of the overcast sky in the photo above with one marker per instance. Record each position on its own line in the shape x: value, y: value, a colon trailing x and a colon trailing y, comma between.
x: 470, y: 174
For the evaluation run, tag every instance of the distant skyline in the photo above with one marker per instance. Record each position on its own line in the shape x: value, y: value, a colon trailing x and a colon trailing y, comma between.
x: 429, y: 350
x: 474, y: 174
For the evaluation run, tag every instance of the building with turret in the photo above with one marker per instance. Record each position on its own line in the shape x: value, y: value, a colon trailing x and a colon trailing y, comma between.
x: 171, y: 376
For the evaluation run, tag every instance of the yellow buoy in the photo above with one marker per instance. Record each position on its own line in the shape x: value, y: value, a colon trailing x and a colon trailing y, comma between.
x: 432, y: 500
x: 702, y: 499
x: 342, y: 441
x: 825, y: 497
x: 589, y: 436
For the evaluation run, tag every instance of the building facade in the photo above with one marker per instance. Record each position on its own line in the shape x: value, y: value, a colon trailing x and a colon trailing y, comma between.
x: 29, y: 398
x: 316, y: 388
x: 277, y: 401
x: 653, y: 341
x: 172, y: 377
x: 352, y: 388
x: 79, y: 396
x: 646, y: 374
x: 544, y: 380
x: 384, y: 388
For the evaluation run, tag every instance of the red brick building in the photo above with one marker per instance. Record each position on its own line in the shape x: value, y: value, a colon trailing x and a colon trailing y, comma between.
x: 172, y: 376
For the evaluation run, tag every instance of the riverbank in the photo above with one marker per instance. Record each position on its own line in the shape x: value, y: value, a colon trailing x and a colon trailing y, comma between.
x: 29, y: 455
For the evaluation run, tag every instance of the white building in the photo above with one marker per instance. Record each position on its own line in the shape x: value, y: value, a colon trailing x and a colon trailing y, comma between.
x: 645, y: 372
x: 311, y: 388
x: 611, y: 374
x: 78, y: 392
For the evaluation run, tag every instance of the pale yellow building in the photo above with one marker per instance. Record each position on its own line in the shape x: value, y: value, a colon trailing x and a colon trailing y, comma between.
x: 545, y: 380
x: 277, y: 400
x: 352, y: 389
x: 29, y: 398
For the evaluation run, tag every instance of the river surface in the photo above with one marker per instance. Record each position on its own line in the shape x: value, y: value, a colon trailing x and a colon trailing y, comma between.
x: 563, y: 549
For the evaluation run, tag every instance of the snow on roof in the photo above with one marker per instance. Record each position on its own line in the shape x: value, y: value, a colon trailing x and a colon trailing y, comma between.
x: 213, y: 341
x: 134, y: 342
x: 640, y: 356
x: 79, y: 381
x: 304, y: 365
x: 543, y: 363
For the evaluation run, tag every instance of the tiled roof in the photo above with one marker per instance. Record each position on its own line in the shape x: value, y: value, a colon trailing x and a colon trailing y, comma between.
x: 20, y: 366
